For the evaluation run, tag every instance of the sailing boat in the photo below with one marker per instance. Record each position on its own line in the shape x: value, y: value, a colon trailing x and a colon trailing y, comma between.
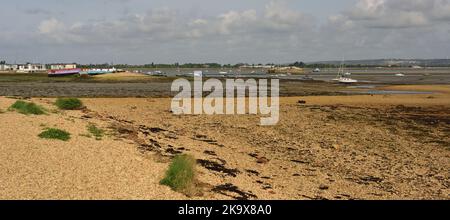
x: 343, y: 77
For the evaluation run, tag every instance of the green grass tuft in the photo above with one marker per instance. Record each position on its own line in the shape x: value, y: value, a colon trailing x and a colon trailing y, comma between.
x: 53, y: 133
x: 181, y: 174
x: 27, y: 108
x: 98, y: 133
x: 69, y: 103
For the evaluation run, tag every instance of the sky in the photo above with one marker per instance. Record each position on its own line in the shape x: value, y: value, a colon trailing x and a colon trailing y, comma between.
x: 231, y: 31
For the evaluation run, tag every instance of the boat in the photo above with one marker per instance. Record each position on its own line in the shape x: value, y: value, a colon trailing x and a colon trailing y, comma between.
x: 93, y: 72
x: 198, y: 73
x: 156, y: 73
x: 400, y: 74
x: 343, y: 77
x: 63, y: 72
x: 316, y: 70
x: 194, y: 74
x: 307, y: 78
x: 347, y: 80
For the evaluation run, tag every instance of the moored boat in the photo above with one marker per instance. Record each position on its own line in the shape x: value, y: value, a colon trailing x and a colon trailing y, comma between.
x: 63, y: 72
x: 343, y: 77
x: 99, y: 71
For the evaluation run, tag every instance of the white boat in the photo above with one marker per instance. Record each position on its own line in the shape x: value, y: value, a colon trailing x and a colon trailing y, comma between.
x: 198, y: 73
x: 347, y: 80
x: 155, y: 73
x: 316, y: 70
x: 99, y: 71
x: 343, y: 77
x: 400, y: 74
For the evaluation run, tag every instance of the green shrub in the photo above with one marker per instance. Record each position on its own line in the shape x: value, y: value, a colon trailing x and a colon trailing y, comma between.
x: 69, y: 103
x: 53, y: 133
x: 96, y: 132
x: 181, y: 174
x: 27, y: 108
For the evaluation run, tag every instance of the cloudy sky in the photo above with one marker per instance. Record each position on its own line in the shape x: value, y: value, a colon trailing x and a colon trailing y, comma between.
x: 231, y: 31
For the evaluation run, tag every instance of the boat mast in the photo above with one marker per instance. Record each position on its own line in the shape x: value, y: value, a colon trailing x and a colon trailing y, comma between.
x: 341, y: 69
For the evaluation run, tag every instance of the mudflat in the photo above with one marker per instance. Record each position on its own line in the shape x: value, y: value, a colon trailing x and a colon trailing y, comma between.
x: 328, y: 147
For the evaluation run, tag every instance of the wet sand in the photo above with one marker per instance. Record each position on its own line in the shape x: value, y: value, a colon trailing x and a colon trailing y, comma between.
x: 332, y: 147
x: 141, y: 89
x: 138, y: 85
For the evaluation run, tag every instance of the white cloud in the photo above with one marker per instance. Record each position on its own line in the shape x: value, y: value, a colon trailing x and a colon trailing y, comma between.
x: 236, y: 20
x: 59, y: 32
x: 370, y: 29
x: 50, y: 26
x: 398, y: 13
x: 167, y: 25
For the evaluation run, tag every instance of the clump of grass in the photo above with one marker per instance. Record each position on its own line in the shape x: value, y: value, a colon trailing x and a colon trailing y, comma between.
x: 54, y: 133
x: 27, y: 108
x: 181, y: 174
x: 69, y: 103
x: 98, y: 133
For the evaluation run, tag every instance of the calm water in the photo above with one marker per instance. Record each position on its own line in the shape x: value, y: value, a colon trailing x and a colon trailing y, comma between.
x: 380, y: 76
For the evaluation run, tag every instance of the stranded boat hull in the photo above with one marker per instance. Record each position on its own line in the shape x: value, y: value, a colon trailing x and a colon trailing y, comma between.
x: 63, y: 72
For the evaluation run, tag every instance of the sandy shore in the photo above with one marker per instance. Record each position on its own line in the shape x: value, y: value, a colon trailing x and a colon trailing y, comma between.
x: 332, y: 147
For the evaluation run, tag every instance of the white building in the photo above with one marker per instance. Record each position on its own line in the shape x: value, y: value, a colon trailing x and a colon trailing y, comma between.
x: 30, y: 68
x: 6, y: 67
x: 61, y: 66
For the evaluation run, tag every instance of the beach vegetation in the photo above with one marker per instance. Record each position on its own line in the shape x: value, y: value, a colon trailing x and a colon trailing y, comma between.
x: 54, y: 133
x: 69, y: 103
x: 27, y: 108
x: 181, y: 174
x: 98, y: 133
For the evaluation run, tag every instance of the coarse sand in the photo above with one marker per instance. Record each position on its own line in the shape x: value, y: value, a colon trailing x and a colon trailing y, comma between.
x: 331, y: 147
